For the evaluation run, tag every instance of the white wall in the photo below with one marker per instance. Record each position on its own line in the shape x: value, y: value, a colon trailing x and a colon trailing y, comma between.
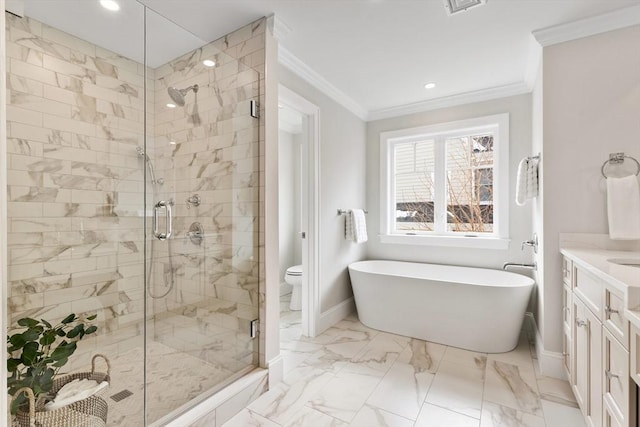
x: 537, y: 204
x: 289, y: 200
x: 519, y: 109
x: 591, y: 105
x: 343, y: 176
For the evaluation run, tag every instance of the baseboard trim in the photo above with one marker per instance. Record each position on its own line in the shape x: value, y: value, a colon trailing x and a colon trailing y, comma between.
x: 336, y: 314
x: 549, y: 362
x: 276, y: 371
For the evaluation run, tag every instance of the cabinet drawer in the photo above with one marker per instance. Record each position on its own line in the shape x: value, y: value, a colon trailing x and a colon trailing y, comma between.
x: 567, y: 271
x: 615, y: 378
x: 613, y: 316
x: 589, y: 289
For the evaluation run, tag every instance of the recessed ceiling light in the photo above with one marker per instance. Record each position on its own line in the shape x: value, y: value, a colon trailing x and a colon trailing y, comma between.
x: 209, y: 63
x: 170, y: 105
x: 110, y: 5
x: 430, y: 85
x: 172, y: 142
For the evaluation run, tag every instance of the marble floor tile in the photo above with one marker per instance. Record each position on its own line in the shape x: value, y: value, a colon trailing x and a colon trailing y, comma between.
x: 370, y: 416
x: 556, y: 390
x: 284, y: 400
x: 402, y: 390
x: 343, y: 396
x: 458, y: 387
x: 333, y: 358
x: 248, y: 418
x: 557, y: 415
x: 307, y: 417
x: 501, y: 416
x: 435, y: 416
x: 382, y: 351
x: 521, y: 355
x: 423, y: 355
x: 510, y: 386
x: 465, y: 357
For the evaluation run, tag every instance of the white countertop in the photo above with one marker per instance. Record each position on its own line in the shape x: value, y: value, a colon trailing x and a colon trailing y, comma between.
x: 625, y: 278
x: 595, y: 261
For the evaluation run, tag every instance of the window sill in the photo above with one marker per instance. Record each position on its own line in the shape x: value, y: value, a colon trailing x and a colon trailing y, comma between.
x: 447, y: 241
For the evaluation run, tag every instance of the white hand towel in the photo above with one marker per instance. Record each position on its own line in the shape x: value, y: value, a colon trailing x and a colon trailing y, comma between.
x: 359, y: 225
x: 356, y: 226
x: 521, y: 182
x: 74, y: 391
x: 623, y: 208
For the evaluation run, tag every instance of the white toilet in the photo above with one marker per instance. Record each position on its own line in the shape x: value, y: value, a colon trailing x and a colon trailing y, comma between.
x: 293, y: 276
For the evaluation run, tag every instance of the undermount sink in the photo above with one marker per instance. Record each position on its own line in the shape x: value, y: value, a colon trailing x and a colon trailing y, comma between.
x: 629, y: 262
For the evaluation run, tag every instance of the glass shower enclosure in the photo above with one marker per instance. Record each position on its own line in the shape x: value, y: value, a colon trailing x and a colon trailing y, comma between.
x: 133, y: 194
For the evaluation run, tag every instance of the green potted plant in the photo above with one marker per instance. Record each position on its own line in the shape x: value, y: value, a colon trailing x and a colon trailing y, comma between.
x: 36, y: 352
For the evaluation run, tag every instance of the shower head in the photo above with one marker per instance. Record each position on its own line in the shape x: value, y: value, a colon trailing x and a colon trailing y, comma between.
x: 178, y: 94
x: 140, y: 151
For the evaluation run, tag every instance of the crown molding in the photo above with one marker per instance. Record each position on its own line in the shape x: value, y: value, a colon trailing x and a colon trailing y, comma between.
x: 279, y: 28
x: 450, y: 101
x: 305, y: 72
x: 615, y: 20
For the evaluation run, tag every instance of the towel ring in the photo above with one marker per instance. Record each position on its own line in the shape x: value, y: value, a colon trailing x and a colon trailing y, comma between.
x: 616, y: 158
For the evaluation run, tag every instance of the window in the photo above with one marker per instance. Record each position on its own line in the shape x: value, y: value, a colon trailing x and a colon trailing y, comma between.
x: 446, y: 184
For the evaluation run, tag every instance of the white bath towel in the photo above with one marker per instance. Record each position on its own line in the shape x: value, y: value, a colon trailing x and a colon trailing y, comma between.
x: 356, y: 226
x: 623, y: 208
x: 75, y: 391
x: 526, y: 181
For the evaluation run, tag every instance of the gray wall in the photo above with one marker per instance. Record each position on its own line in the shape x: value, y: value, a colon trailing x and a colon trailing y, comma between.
x: 343, y: 177
x: 591, y: 102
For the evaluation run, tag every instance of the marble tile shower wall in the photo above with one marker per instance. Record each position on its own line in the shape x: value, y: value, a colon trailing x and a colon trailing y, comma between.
x: 215, y: 154
x: 75, y: 117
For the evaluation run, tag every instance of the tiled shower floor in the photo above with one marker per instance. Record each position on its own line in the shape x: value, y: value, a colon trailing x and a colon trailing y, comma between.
x: 179, y: 377
x: 352, y: 375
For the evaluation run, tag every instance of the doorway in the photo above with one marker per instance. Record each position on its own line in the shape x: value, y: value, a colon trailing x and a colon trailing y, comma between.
x: 298, y: 168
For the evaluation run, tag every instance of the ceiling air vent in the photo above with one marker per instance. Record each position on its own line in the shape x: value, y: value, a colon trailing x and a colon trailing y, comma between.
x: 455, y: 6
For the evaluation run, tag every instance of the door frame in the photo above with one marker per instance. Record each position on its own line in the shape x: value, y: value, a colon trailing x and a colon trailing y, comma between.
x: 310, y: 222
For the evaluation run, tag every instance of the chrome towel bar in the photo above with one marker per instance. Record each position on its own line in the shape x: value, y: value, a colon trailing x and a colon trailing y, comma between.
x: 344, y: 211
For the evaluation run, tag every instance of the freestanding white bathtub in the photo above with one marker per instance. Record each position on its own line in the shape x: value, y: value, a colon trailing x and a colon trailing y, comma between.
x: 475, y: 309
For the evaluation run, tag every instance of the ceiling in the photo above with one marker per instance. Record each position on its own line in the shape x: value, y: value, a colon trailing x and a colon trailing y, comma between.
x: 377, y: 54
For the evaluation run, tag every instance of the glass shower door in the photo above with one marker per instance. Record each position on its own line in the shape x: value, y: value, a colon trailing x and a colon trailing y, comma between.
x: 202, y: 254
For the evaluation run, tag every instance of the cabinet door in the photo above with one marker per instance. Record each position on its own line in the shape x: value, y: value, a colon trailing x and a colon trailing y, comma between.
x: 567, y: 321
x: 587, y: 373
x: 609, y: 419
x: 615, y: 378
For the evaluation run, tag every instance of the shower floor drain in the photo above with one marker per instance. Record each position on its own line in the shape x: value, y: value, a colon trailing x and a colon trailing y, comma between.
x: 121, y: 395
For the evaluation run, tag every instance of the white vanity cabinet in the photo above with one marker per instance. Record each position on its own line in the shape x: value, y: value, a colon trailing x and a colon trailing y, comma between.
x: 596, y: 352
x: 587, y: 362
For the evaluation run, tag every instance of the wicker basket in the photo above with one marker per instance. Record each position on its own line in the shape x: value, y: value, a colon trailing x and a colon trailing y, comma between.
x: 89, y: 412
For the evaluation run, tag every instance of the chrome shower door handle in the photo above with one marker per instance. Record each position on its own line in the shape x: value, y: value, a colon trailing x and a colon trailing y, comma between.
x: 168, y: 222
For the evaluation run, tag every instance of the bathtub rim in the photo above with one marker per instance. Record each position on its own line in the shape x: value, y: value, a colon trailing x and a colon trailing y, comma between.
x: 525, y: 281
